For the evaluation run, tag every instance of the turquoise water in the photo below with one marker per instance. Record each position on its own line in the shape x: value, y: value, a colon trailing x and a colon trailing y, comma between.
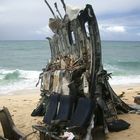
x: 22, y: 61
x: 122, y: 59
x: 25, y: 55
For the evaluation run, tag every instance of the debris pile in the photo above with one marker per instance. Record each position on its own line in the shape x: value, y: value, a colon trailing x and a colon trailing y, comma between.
x: 76, y: 70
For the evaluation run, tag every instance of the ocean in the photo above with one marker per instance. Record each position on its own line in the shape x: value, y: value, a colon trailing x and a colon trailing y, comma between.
x: 22, y: 61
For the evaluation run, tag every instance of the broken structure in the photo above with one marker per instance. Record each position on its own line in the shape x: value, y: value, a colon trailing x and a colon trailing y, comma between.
x: 76, y: 70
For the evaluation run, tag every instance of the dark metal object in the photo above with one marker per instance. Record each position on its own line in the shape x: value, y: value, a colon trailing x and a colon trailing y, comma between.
x: 55, y: 4
x: 64, y: 5
x: 76, y: 49
x: 50, y: 8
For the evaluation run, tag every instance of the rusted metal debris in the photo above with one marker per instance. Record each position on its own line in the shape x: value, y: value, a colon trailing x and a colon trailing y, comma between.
x: 76, y: 68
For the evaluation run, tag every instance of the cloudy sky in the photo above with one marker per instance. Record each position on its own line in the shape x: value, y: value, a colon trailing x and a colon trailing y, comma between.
x: 27, y: 19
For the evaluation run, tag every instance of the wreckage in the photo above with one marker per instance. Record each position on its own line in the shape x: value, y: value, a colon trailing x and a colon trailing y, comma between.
x: 76, y: 97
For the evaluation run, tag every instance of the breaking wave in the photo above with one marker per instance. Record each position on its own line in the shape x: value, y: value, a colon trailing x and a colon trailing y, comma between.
x: 124, y: 73
x: 125, y: 80
x: 130, y: 64
x: 12, y: 80
x: 12, y: 76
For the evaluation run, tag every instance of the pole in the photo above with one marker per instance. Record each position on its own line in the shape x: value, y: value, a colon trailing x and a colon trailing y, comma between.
x: 50, y: 8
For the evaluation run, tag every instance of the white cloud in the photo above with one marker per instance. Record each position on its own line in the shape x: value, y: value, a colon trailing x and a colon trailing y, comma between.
x: 138, y: 34
x: 112, y: 28
x: 114, y: 6
x: 116, y: 17
x: 108, y: 6
x: 44, y: 31
x: 117, y: 29
x: 3, y: 9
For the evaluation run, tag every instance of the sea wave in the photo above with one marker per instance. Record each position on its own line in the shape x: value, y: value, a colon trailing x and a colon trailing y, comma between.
x: 12, y: 80
x: 125, y: 80
x: 12, y: 76
x: 124, y: 73
x: 132, y: 64
x: 123, y: 68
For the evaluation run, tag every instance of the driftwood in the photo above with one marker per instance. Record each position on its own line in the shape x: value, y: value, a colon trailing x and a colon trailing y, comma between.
x: 9, y: 129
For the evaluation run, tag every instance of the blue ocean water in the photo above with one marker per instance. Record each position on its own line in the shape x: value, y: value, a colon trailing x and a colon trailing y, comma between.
x: 22, y: 61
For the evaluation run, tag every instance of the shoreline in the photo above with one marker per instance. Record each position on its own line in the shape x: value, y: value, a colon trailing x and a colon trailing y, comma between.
x: 116, y: 88
x: 21, y: 103
x: 21, y: 92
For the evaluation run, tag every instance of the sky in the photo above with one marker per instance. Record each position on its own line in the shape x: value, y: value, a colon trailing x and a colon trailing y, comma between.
x: 28, y: 19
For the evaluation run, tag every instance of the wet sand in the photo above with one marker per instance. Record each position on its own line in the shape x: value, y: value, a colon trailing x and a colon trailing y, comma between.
x: 21, y: 104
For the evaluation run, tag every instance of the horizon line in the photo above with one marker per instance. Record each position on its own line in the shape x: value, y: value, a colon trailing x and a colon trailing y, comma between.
x: 46, y: 40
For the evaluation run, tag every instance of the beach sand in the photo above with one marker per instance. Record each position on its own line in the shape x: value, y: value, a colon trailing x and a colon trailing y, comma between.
x: 21, y: 104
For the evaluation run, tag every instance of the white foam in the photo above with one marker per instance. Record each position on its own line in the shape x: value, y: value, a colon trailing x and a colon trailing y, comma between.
x: 125, y: 80
x: 27, y: 80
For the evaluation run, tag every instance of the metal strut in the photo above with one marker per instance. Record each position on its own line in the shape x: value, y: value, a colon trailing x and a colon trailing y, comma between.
x: 55, y: 4
x: 50, y: 8
x: 64, y: 5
